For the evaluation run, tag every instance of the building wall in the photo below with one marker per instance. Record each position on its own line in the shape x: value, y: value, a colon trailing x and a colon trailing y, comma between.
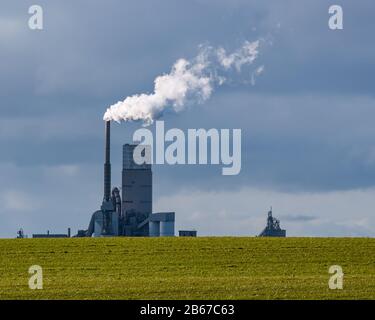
x: 50, y: 235
x: 154, y: 227
x: 187, y: 233
x: 162, y: 224
x: 274, y: 233
x: 98, y: 224
x: 167, y: 228
x: 136, y: 184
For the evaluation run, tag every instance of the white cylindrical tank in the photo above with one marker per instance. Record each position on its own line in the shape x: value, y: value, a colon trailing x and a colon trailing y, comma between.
x: 154, y: 229
x: 166, y: 228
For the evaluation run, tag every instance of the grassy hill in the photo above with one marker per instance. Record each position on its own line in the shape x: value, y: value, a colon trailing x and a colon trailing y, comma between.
x: 187, y: 268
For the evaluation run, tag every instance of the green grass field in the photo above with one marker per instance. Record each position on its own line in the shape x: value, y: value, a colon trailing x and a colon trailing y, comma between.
x: 187, y: 268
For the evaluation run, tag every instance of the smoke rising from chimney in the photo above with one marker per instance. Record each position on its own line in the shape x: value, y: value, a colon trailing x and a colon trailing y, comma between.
x: 187, y: 82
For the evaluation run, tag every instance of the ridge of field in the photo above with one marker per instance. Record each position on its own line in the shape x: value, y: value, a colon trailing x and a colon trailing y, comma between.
x: 187, y: 268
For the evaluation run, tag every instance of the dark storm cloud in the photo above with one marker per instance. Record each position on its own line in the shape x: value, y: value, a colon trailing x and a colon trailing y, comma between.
x: 113, y: 48
x: 296, y: 143
x: 94, y: 53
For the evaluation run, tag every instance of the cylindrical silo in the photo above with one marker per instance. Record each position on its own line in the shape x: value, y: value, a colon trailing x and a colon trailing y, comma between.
x: 154, y: 229
x: 166, y: 228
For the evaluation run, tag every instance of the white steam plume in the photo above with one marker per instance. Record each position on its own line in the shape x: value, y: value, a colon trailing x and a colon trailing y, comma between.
x: 188, y: 81
x: 245, y: 55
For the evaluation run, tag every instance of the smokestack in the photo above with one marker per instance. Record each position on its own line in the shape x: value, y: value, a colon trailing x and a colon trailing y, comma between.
x: 107, y: 164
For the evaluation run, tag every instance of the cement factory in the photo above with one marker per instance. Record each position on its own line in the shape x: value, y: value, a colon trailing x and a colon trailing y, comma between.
x: 129, y: 212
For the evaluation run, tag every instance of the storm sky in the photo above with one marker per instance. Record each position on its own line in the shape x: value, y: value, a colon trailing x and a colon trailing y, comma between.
x: 308, y: 133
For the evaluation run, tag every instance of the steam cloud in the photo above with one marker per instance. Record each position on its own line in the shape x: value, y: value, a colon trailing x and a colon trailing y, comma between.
x: 188, y: 81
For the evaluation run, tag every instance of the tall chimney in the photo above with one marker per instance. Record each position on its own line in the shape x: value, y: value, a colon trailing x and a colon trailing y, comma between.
x: 107, y: 164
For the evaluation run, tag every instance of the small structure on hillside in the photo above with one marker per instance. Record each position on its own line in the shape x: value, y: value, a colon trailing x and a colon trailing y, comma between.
x: 273, y: 227
x: 21, y: 234
x: 187, y: 233
x: 52, y: 235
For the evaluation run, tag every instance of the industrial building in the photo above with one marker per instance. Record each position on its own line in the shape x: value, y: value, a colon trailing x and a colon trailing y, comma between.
x: 47, y: 235
x: 136, y: 194
x: 273, y: 227
x: 129, y: 214
x: 187, y: 233
x: 161, y: 224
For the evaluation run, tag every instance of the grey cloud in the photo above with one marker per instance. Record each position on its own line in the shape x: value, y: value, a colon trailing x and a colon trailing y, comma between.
x: 244, y: 212
x: 103, y: 47
x: 41, y: 198
x: 289, y: 142
x: 297, y: 218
